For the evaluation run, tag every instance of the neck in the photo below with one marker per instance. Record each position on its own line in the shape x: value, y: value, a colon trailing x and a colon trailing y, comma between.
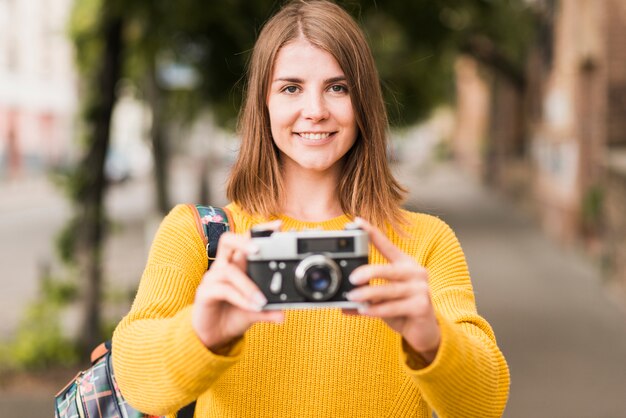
x: 312, y: 196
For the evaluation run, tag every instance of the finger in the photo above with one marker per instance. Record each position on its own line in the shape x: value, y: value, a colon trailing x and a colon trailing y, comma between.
x: 240, y: 260
x: 272, y: 225
x: 400, y: 271
x: 419, y: 305
x: 277, y: 317
x: 224, y: 292
x: 392, y: 309
x: 388, y: 292
x: 242, y: 283
x: 230, y: 242
x: 246, y: 286
x: 380, y: 241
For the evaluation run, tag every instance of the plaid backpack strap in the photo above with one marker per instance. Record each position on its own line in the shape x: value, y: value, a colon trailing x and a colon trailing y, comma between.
x: 212, y: 222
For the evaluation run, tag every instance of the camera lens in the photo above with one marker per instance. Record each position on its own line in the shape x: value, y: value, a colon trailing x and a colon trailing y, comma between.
x: 317, y: 277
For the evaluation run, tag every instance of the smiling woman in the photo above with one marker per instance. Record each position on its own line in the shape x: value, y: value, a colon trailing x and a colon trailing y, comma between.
x: 313, y: 156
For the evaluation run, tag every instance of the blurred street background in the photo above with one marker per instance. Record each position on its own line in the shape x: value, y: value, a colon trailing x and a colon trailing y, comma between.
x: 507, y: 122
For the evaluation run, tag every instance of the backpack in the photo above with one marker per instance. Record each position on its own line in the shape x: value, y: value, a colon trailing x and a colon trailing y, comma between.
x: 94, y: 392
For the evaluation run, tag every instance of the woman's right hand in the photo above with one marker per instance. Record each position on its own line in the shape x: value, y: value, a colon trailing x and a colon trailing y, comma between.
x: 227, y: 301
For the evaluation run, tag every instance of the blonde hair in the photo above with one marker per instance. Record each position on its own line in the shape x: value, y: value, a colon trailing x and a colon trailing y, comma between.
x: 367, y: 188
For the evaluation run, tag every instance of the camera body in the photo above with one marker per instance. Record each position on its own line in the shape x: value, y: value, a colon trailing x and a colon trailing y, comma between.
x: 307, y: 269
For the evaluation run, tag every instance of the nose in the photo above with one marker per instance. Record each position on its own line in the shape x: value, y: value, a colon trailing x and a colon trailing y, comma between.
x: 314, y: 107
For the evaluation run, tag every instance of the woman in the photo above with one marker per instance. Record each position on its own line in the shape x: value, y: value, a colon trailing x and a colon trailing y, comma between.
x: 313, y: 130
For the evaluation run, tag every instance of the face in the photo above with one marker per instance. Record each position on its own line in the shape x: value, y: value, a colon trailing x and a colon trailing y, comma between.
x: 311, y: 115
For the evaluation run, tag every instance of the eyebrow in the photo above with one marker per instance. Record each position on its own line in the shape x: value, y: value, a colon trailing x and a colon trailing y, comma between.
x: 300, y: 81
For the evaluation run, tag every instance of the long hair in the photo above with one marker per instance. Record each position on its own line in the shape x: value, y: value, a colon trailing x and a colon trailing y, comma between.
x: 366, y: 187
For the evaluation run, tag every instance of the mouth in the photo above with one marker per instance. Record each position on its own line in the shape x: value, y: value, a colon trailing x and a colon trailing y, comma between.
x: 314, y: 136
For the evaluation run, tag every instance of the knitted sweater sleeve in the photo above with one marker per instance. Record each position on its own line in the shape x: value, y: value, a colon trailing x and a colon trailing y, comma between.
x: 160, y: 364
x: 469, y: 376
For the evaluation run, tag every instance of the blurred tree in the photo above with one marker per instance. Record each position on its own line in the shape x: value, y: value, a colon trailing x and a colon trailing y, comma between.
x: 416, y: 43
x: 97, y: 29
x: 189, y: 55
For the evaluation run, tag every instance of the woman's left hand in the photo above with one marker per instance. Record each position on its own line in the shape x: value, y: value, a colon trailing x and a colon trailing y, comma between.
x: 404, y: 301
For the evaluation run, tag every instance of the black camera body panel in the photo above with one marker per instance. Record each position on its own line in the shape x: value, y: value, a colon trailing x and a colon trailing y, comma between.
x: 289, y: 296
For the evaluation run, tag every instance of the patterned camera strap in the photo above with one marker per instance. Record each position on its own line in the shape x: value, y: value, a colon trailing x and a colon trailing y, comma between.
x: 215, y: 222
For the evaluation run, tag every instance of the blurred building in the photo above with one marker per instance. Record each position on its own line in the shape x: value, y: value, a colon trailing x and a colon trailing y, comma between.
x: 38, y: 86
x: 557, y: 144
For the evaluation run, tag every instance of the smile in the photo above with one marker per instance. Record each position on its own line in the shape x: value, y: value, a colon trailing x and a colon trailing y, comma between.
x: 315, y: 136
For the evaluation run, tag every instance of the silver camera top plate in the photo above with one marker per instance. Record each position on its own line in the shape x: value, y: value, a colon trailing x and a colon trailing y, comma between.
x: 293, y: 245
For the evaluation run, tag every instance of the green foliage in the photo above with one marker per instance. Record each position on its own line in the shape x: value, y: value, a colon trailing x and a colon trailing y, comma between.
x: 40, y: 341
x: 66, y: 241
x: 86, y: 29
x: 442, y: 151
x: 57, y: 292
x: 592, y: 206
x: 83, y: 26
x: 416, y: 43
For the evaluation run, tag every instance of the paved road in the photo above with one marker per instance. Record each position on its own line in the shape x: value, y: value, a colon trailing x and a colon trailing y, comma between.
x: 562, y: 334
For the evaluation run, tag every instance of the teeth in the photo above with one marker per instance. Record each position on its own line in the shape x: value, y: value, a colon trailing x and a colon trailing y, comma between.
x: 314, y: 136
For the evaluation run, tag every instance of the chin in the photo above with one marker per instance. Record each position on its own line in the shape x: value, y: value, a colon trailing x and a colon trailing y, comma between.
x: 316, y: 168
x: 321, y: 164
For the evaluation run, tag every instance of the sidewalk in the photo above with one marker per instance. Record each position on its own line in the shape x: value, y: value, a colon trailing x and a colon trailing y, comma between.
x: 563, y: 336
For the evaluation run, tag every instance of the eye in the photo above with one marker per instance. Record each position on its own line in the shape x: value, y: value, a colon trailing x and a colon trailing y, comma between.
x: 290, y: 89
x: 338, y: 88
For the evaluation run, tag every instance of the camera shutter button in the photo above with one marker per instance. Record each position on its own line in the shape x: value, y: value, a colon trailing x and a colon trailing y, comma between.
x: 277, y: 283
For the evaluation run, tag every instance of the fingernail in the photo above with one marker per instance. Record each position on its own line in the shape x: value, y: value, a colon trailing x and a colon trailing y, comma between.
x: 253, y: 249
x: 354, y: 278
x: 362, y: 309
x: 260, y: 299
x: 256, y: 308
x: 352, y: 295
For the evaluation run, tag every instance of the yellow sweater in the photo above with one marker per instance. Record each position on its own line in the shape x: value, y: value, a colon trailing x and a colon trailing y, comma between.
x: 319, y: 363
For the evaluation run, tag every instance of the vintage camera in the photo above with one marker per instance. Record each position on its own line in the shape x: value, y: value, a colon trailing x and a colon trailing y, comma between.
x: 307, y: 269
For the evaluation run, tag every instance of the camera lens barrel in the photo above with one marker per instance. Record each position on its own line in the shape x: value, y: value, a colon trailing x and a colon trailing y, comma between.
x: 317, y: 277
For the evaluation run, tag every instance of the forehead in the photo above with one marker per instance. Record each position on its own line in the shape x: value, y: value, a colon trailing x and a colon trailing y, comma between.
x: 300, y: 57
